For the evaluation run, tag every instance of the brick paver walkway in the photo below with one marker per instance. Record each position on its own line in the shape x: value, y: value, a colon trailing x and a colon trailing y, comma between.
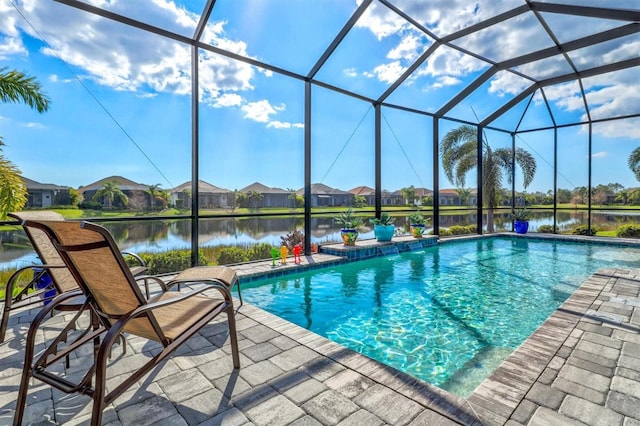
x: 581, y: 367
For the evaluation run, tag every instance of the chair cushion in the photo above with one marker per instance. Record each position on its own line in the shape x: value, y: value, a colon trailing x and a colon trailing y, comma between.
x: 175, y: 318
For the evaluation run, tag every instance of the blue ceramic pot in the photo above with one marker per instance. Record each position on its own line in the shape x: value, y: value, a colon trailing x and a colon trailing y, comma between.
x: 521, y: 227
x: 384, y: 232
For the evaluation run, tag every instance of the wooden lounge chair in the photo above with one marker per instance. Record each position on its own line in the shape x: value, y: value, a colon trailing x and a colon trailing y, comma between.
x: 61, y: 279
x: 114, y: 297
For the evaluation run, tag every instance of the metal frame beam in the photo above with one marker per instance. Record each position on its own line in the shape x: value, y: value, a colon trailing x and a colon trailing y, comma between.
x: 617, y: 66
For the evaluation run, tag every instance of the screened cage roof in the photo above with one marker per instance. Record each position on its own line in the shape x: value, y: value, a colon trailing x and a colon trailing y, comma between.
x: 132, y: 82
x: 480, y: 60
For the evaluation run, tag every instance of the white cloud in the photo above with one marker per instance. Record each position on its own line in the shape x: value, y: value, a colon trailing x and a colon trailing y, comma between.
x: 284, y: 125
x: 445, y: 81
x: 408, y: 49
x: 10, y: 46
x: 126, y: 59
x: 390, y: 72
x: 228, y: 100
x: 381, y: 21
x: 350, y: 72
x: 600, y: 154
x: 512, y: 38
x: 32, y: 125
x: 508, y: 83
x: 279, y: 125
x: 261, y: 111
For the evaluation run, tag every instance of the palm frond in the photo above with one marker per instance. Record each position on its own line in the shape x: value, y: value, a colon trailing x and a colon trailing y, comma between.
x: 16, y: 87
x: 634, y: 162
x: 527, y: 163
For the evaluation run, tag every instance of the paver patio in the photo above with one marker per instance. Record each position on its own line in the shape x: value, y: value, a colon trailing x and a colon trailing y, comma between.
x: 582, y: 366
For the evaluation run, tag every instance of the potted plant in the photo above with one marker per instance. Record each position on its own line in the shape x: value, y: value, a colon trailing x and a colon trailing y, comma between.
x: 417, y: 224
x: 383, y: 227
x: 520, y: 217
x: 350, y: 224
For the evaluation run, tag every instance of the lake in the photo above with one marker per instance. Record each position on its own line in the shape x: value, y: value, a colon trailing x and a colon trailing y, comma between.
x: 161, y: 235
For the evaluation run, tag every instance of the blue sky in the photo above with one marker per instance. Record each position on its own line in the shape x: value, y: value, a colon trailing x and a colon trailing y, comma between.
x: 121, y: 98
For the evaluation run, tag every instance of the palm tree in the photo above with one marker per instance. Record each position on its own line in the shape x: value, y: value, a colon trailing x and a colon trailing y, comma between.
x: 459, y: 152
x: 16, y: 87
x: 110, y: 191
x: 409, y: 194
x: 153, y: 191
x: 463, y: 195
x: 634, y: 162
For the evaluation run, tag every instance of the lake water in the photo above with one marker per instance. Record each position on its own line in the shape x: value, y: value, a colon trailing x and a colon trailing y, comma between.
x: 161, y: 235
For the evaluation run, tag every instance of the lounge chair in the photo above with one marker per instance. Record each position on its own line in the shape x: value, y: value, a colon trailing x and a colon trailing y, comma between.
x: 115, y: 299
x: 61, y: 279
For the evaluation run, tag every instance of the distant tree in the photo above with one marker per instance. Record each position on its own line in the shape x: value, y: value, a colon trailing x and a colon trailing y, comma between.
x: 463, y: 195
x: 164, y: 197
x: 409, y: 194
x: 359, y: 201
x: 427, y: 200
x: 615, y: 187
x: 580, y: 195
x: 153, y: 191
x: 110, y: 192
x: 74, y: 196
x: 599, y: 196
x: 296, y: 200
x: 563, y: 196
x: 622, y: 197
x: 459, y: 153
x: 242, y: 199
x: 16, y: 87
x: 254, y: 198
x: 634, y: 162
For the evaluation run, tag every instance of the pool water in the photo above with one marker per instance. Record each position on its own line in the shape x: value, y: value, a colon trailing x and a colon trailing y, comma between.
x: 448, y: 315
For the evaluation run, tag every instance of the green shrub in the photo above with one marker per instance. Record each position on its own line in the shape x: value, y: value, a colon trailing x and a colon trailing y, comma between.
x: 461, y: 230
x: 628, y: 231
x: 472, y: 229
x: 457, y: 230
x: 230, y: 255
x: 583, y: 230
x: 260, y: 251
x: 444, y: 232
x: 546, y: 229
x: 90, y: 205
x: 168, y: 261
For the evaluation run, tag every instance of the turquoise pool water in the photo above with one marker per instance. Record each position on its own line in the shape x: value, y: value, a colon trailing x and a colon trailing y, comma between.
x: 448, y: 315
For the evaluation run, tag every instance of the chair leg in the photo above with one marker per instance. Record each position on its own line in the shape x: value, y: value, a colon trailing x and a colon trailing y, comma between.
x: 5, y: 320
x: 239, y: 294
x: 231, y: 319
x: 26, y: 372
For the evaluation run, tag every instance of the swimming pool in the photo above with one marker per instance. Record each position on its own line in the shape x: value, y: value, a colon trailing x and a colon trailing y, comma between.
x: 448, y: 315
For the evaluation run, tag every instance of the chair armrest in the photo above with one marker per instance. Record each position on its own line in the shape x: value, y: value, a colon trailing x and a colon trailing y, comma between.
x: 183, y: 296
x: 135, y: 256
x: 13, y: 280
x: 158, y: 280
